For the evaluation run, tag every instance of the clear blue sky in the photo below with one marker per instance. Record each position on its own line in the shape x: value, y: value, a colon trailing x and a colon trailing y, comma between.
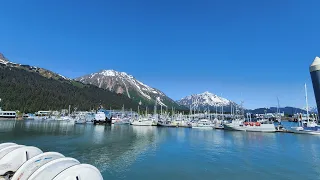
x: 245, y: 50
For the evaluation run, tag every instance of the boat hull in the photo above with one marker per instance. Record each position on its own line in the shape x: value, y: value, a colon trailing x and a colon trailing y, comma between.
x: 302, y: 131
x: 141, y: 123
x: 202, y: 127
x: 263, y: 128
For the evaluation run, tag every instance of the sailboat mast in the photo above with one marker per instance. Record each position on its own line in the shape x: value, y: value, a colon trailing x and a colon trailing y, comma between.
x: 305, y: 88
x: 222, y: 112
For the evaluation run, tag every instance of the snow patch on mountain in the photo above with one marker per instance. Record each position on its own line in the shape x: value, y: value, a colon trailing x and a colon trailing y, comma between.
x: 204, y: 99
x: 160, y: 102
x: 111, y: 79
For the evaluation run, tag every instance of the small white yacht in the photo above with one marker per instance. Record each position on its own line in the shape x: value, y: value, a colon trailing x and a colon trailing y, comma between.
x: 142, y: 122
x: 203, y: 124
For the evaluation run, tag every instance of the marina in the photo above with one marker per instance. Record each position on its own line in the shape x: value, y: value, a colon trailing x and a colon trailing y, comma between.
x: 160, y: 90
x: 120, y: 151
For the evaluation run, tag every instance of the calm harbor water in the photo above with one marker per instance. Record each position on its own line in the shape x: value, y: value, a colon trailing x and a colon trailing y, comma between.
x: 128, y: 152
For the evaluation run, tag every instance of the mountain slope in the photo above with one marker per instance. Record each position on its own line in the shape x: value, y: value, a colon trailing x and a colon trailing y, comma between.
x: 29, y: 89
x: 43, y: 72
x: 123, y: 83
x: 207, y: 100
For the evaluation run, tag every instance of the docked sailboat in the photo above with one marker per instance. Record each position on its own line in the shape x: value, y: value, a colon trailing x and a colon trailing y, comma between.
x: 142, y: 121
x: 308, y: 126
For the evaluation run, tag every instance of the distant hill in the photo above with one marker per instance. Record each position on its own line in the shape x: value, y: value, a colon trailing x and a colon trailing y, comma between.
x: 286, y: 110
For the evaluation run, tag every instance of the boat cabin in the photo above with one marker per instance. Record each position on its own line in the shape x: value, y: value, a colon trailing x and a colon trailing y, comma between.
x: 7, y: 114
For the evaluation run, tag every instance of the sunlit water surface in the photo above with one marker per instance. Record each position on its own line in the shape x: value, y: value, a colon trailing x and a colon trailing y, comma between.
x: 135, y: 153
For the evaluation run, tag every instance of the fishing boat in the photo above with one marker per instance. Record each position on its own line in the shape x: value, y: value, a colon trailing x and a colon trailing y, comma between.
x: 307, y: 126
x: 19, y: 162
x: 263, y: 125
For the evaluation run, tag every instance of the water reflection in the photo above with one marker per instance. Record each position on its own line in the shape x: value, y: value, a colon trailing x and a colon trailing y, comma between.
x: 115, y: 148
x: 133, y: 152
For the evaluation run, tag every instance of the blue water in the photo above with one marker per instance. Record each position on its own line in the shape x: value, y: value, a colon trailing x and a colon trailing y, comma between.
x: 127, y: 152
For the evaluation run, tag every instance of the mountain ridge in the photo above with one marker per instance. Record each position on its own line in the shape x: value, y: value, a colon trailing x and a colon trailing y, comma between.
x: 207, y: 100
x: 124, y: 83
x: 67, y: 83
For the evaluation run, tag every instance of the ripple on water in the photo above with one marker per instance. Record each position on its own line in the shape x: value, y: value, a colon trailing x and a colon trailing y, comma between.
x: 127, y: 152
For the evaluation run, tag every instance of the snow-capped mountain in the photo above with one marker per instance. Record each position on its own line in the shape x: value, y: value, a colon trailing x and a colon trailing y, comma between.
x: 3, y: 60
x: 205, y: 100
x: 43, y: 72
x: 123, y: 83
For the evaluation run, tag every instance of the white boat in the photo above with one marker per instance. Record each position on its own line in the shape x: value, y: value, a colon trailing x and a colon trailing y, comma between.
x: 51, y: 169
x: 218, y: 124
x: 7, y: 115
x: 203, y: 124
x: 116, y: 120
x: 167, y: 123
x: 29, y: 167
x: 80, y: 171
x: 142, y: 122
x: 308, y: 126
x: 306, y: 130
x: 184, y: 123
x: 240, y: 125
x: 80, y: 118
x: 18, y: 162
x: 15, y: 158
x: 99, y: 118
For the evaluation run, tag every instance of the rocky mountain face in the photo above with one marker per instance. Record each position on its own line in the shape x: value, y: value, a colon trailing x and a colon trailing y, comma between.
x: 126, y: 84
x: 3, y: 60
x: 207, y: 100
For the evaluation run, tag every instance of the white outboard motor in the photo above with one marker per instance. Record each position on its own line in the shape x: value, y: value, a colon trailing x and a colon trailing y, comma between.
x: 18, y: 162
x: 80, y: 172
x: 4, y: 145
x: 51, y: 169
x: 14, y: 159
x: 8, y: 149
x: 33, y: 164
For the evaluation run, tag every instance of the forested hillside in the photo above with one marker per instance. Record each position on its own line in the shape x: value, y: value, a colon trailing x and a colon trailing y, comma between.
x: 29, y: 92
